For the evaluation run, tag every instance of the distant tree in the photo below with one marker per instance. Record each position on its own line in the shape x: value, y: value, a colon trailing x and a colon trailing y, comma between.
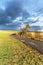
x: 25, y: 29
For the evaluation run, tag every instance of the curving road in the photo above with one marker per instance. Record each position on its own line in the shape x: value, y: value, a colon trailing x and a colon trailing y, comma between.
x: 38, y: 45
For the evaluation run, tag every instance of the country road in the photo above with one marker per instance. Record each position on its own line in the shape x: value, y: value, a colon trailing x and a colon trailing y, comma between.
x: 38, y: 45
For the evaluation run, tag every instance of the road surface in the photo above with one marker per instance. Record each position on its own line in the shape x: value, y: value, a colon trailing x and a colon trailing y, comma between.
x: 38, y: 45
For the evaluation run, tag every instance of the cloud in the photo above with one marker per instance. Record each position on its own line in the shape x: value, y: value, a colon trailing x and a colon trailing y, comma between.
x: 10, y: 12
x: 38, y: 25
x: 39, y: 22
x: 14, y: 8
x: 17, y: 19
x: 14, y: 26
x: 3, y: 17
x: 13, y: 13
x: 13, y: 16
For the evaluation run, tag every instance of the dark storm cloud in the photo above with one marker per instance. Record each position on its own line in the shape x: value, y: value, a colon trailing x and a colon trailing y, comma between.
x: 25, y: 14
x: 14, y: 9
x: 14, y: 26
x: 3, y: 17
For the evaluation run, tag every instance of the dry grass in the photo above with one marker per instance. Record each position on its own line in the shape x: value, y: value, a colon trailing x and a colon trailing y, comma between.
x: 34, y: 35
x: 14, y: 52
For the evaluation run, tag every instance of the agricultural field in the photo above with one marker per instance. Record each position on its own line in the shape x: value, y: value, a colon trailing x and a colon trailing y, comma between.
x: 34, y: 35
x: 14, y: 52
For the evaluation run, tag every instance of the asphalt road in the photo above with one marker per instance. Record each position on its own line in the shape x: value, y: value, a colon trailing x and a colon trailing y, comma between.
x: 38, y: 45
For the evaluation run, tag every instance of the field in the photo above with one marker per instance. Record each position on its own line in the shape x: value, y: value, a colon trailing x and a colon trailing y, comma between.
x: 14, y: 52
x: 34, y: 35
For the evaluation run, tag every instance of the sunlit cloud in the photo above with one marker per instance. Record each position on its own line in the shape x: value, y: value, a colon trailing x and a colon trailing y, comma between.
x: 17, y: 19
x: 14, y: 13
x: 39, y: 22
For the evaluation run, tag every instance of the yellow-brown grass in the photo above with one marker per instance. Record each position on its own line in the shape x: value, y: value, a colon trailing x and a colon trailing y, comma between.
x: 14, y: 52
x: 34, y: 35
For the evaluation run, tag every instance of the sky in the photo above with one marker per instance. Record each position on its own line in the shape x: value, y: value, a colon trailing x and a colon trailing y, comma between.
x: 14, y: 13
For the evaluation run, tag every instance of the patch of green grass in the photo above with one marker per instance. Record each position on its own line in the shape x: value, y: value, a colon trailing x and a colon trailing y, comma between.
x: 14, y: 52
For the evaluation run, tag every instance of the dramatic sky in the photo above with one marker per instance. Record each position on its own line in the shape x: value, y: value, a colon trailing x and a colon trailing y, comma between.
x: 13, y: 14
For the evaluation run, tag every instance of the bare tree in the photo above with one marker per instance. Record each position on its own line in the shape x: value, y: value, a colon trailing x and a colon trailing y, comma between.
x: 25, y: 29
